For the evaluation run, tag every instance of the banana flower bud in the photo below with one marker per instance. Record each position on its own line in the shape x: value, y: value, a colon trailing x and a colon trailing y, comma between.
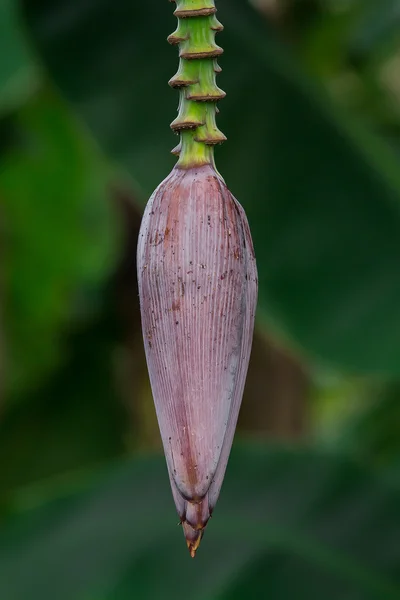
x: 198, y: 291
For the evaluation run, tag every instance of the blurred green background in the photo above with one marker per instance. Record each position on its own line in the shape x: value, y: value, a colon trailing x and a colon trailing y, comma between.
x: 310, y: 507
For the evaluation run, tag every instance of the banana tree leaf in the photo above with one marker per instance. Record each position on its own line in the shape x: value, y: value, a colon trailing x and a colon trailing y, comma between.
x: 371, y: 433
x: 59, y: 234
x: 375, y: 33
x: 18, y: 73
x: 288, y: 525
x: 74, y: 420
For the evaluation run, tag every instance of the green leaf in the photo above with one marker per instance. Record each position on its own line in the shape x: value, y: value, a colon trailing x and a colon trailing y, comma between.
x: 371, y: 433
x: 321, y: 194
x: 59, y: 234
x: 288, y: 525
x: 18, y: 72
x: 376, y: 34
x: 75, y: 419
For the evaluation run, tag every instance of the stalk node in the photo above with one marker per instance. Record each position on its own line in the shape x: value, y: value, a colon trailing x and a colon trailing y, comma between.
x: 196, y: 81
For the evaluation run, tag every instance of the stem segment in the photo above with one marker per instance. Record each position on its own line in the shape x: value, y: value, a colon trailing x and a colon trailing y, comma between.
x: 199, y: 93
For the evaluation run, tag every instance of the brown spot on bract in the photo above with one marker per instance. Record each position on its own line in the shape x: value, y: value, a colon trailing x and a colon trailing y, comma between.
x: 176, y: 305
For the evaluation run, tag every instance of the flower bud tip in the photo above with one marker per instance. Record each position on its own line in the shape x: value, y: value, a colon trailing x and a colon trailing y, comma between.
x: 193, y: 538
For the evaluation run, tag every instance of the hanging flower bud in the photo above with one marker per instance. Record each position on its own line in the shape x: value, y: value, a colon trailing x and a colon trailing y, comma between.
x: 197, y: 285
x: 198, y: 289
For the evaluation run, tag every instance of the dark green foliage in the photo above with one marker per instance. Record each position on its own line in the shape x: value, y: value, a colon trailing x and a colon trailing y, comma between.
x: 18, y: 73
x: 61, y: 426
x: 58, y: 233
x: 313, y: 123
x: 287, y: 523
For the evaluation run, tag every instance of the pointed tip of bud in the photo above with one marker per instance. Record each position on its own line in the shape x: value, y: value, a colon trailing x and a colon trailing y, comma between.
x: 193, y: 538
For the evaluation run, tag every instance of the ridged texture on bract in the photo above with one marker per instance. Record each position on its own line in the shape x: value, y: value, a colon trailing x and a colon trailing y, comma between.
x: 198, y: 290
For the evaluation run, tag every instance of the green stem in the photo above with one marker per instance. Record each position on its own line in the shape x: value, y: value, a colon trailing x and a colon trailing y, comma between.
x: 199, y: 93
